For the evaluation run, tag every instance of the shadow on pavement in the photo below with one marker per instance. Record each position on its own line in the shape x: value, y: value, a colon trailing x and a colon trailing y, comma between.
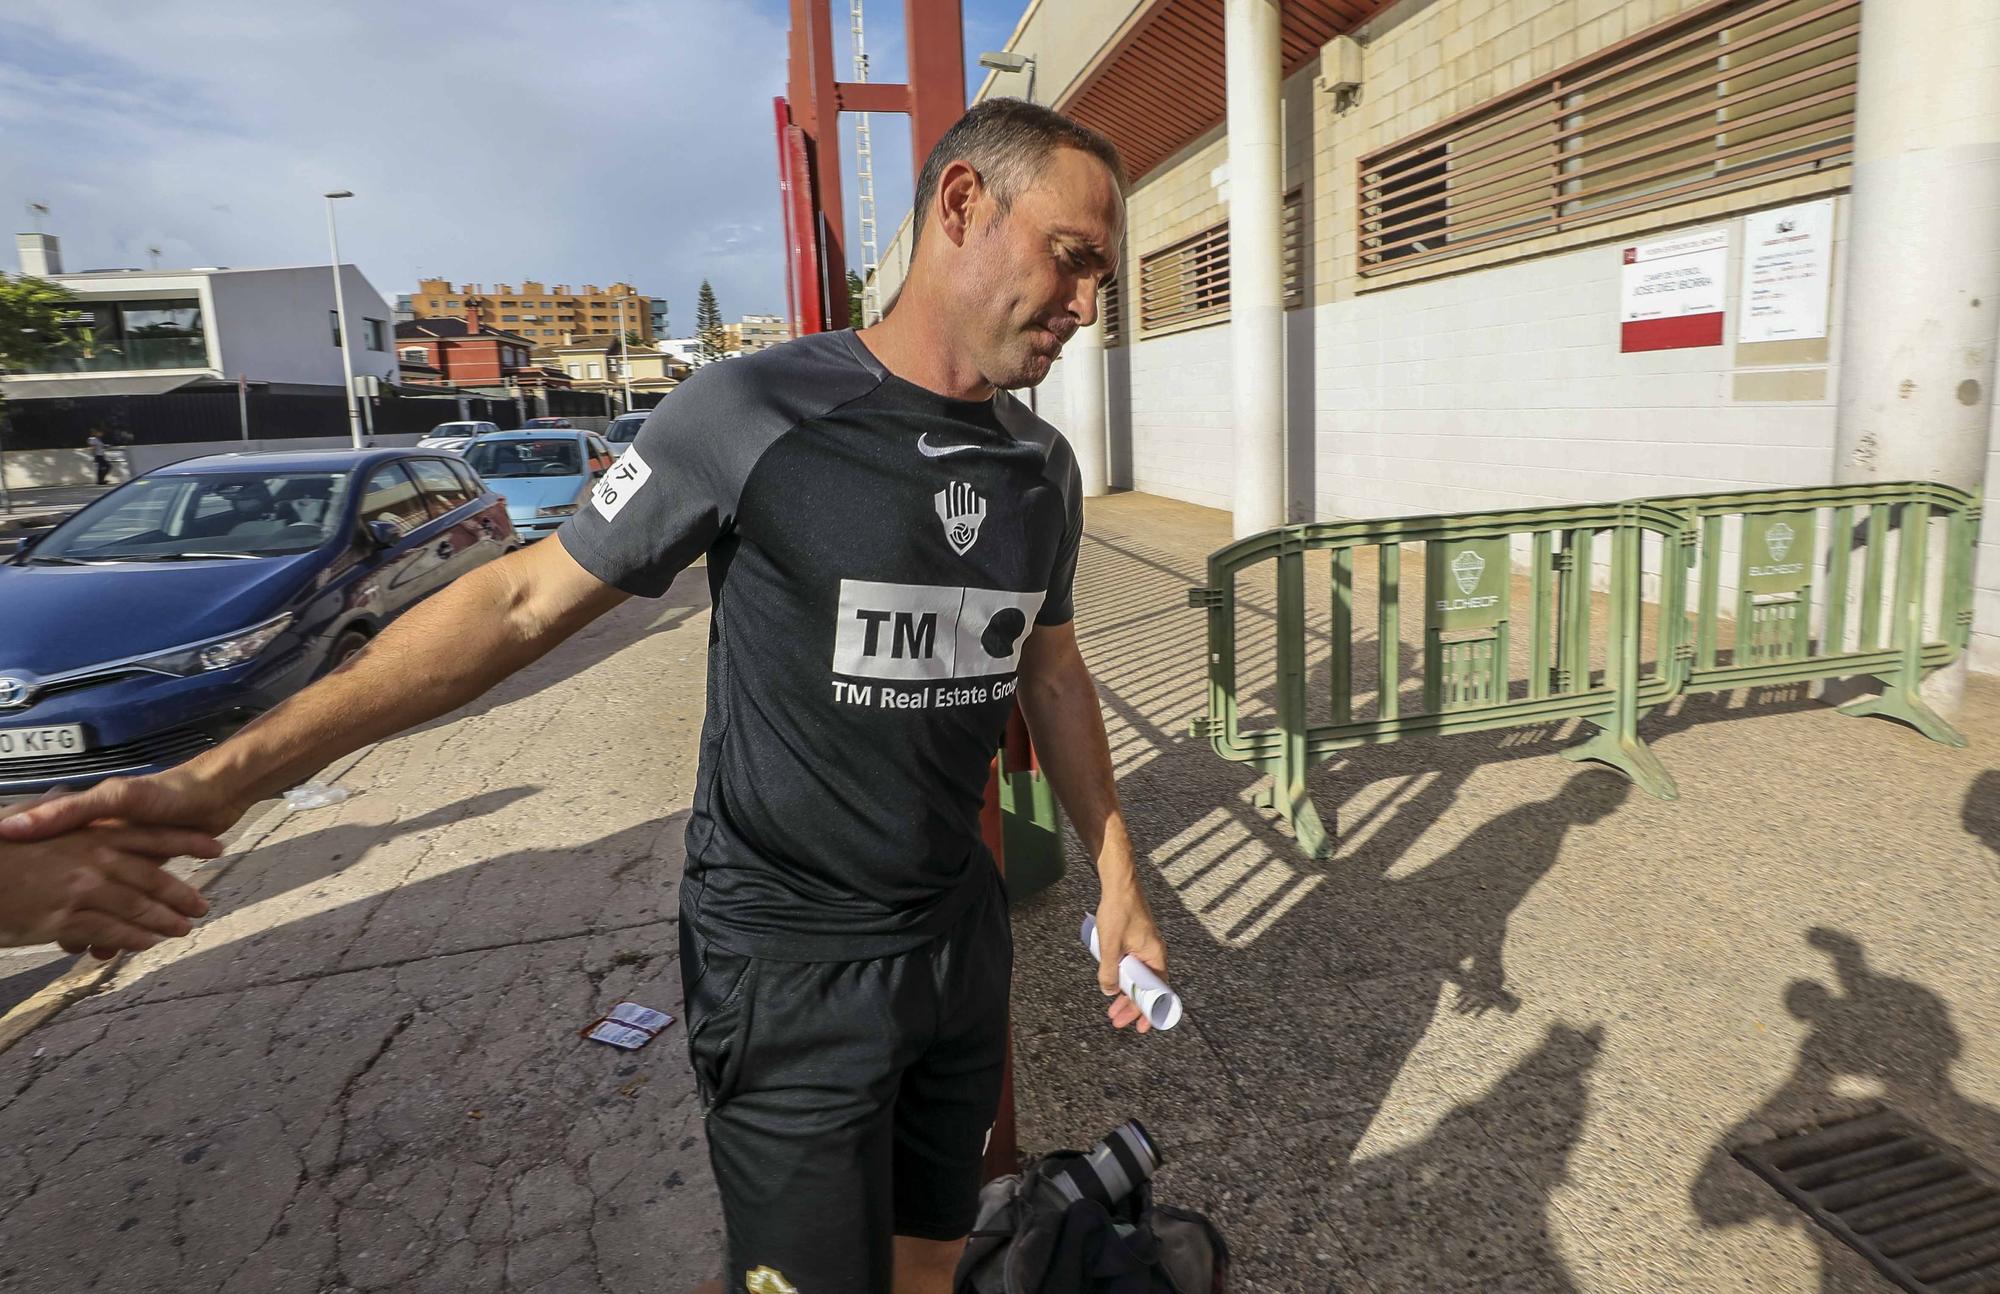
x: 1873, y: 1039
x: 1982, y: 809
x: 429, y: 1121
x: 1292, y: 1051
x: 1468, y: 1206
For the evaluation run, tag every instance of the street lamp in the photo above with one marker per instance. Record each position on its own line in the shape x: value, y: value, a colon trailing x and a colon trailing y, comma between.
x: 1000, y: 60
x: 624, y: 356
x: 340, y: 319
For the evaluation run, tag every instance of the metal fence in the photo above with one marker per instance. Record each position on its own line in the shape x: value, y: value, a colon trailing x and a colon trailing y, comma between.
x: 216, y: 414
x: 1492, y: 656
x: 1832, y: 583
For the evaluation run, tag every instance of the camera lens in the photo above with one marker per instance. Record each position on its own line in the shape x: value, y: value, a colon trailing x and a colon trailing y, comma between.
x: 1107, y: 1174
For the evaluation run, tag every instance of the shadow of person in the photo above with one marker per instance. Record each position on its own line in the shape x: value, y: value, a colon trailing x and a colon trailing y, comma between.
x: 1492, y: 871
x: 1981, y: 814
x: 1325, y: 1001
x: 1872, y: 1040
x: 1471, y: 1201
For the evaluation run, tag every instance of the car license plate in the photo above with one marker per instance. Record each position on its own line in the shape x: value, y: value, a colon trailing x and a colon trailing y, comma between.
x: 26, y: 743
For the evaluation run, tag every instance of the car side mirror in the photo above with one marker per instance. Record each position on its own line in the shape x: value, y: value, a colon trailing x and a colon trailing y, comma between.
x: 384, y: 533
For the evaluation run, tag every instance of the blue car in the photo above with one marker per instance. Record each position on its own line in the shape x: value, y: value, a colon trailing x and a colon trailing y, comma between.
x: 544, y: 475
x: 178, y: 607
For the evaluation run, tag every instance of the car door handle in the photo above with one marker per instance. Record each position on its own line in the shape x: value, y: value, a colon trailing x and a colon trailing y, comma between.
x: 444, y: 549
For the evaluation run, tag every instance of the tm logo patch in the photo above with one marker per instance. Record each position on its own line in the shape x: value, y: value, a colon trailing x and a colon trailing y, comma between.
x: 923, y: 631
x: 618, y: 485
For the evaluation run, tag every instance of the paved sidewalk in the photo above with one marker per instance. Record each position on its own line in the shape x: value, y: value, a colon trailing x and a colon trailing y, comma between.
x: 1500, y: 1042
x: 1503, y: 1039
x: 363, y: 1071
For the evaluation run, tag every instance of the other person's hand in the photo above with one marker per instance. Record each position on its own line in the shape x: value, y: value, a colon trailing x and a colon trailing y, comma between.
x: 100, y: 888
x: 1125, y: 925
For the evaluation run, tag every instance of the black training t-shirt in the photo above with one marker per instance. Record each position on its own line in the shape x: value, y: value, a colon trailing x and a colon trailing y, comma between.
x: 877, y: 556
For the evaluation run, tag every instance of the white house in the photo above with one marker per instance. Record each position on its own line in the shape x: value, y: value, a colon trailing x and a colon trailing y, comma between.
x: 147, y: 331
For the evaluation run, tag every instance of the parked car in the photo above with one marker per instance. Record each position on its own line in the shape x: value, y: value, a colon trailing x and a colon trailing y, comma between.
x: 548, y: 424
x: 544, y: 476
x: 455, y: 436
x: 165, y: 615
x: 624, y: 429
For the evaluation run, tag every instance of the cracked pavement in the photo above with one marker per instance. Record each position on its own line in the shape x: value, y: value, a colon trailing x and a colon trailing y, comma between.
x: 1502, y: 1041
x: 363, y: 1071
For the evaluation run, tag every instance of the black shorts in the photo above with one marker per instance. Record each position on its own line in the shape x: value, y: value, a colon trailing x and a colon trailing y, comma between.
x: 849, y: 1102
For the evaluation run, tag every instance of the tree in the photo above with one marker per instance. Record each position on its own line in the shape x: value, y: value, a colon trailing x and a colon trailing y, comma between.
x: 31, y: 317
x: 32, y: 311
x: 711, y: 341
x: 857, y: 293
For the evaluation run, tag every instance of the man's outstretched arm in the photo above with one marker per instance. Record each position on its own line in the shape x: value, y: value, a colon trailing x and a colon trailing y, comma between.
x: 1060, y: 702
x: 442, y: 654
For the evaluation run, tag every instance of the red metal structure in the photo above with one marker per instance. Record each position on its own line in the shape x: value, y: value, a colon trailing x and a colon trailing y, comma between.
x: 809, y: 139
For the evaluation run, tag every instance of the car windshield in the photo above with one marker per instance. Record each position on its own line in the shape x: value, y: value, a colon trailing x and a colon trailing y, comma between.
x: 455, y: 429
x: 185, y: 517
x: 547, y: 422
x: 622, y: 430
x: 526, y: 456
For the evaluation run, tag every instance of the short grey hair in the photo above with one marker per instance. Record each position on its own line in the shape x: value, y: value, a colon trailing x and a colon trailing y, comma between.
x: 1008, y: 141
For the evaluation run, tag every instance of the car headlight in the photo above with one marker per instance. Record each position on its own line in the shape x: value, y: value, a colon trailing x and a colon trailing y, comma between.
x: 221, y: 653
x: 560, y: 510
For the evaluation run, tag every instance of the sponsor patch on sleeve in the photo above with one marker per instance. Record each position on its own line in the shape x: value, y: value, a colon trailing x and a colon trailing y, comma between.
x: 625, y: 479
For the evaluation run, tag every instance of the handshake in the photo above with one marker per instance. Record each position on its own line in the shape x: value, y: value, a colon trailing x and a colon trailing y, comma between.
x: 86, y: 871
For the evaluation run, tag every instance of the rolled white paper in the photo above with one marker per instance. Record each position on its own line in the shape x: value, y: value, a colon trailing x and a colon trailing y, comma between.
x: 1148, y: 991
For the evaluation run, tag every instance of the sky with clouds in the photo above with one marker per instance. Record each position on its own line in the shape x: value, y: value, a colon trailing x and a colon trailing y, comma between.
x: 587, y: 142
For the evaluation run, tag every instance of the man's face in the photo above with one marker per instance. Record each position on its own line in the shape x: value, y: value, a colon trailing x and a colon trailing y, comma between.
x: 1030, y: 277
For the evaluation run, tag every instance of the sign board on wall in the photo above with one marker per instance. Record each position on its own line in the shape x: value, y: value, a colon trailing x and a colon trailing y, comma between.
x: 1671, y: 293
x: 1787, y: 255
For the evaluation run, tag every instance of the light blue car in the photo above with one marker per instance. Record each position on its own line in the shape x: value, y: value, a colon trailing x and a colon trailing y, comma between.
x: 543, y: 476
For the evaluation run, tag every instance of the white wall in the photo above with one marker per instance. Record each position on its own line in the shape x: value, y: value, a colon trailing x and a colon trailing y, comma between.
x: 1506, y: 388
x: 273, y: 325
x: 1180, y: 420
x: 1498, y: 388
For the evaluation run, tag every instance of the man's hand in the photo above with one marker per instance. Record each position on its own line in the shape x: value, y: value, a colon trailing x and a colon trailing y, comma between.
x: 101, y: 888
x: 1125, y: 925
x: 173, y: 799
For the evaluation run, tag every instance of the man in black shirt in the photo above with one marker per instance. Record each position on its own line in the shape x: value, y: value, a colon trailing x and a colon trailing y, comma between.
x: 891, y: 541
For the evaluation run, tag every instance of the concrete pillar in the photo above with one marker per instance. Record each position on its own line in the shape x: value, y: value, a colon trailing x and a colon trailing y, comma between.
x: 1256, y: 262
x: 1922, y: 313
x: 1083, y: 391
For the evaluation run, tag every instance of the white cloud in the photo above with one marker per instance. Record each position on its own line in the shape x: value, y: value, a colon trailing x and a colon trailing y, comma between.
x: 586, y: 142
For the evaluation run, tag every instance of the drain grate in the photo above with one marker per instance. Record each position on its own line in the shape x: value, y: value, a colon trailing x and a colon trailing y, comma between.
x: 1917, y: 1208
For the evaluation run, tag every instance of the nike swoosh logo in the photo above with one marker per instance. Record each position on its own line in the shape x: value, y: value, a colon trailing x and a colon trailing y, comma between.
x: 929, y: 450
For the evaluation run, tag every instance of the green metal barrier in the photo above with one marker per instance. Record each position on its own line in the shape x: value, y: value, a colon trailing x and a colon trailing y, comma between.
x: 1474, y: 637
x: 1033, y: 831
x: 1468, y: 680
x: 1800, y: 614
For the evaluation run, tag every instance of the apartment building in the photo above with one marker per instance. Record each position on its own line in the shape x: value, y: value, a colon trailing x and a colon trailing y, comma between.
x: 538, y: 311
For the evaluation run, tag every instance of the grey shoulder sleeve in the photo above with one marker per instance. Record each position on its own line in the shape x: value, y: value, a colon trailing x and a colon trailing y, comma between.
x: 674, y: 492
